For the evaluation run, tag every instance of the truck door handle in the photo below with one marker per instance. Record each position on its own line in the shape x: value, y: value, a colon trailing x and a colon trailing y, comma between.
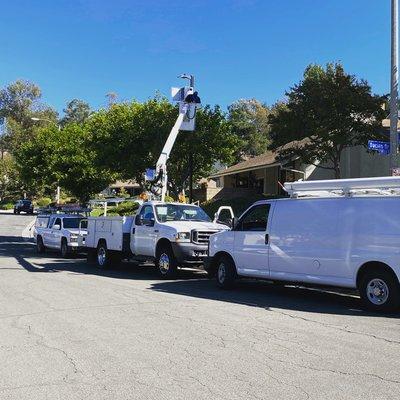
x: 156, y: 230
x: 266, y: 238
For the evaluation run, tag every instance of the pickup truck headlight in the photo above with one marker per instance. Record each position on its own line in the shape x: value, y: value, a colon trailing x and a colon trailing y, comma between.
x: 73, y: 238
x: 182, y: 237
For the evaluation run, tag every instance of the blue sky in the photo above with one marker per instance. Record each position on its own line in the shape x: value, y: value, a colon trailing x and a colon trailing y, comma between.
x: 235, y: 48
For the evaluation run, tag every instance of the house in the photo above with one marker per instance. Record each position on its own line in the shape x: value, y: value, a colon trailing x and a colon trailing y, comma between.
x: 131, y: 187
x: 265, y: 173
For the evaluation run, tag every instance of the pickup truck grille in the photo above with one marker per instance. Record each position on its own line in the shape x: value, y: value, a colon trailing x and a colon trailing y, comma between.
x: 202, y: 237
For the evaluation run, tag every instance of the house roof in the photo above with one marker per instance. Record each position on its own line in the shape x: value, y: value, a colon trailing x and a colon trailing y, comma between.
x: 267, y: 159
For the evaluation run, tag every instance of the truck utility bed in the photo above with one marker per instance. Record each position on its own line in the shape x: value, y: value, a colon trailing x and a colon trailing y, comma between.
x: 115, y: 230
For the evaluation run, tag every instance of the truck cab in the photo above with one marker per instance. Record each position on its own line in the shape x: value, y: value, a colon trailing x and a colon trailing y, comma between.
x: 172, y: 233
x: 60, y: 232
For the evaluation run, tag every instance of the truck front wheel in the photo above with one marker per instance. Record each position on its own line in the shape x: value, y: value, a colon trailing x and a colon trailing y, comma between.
x: 40, y: 245
x: 64, y: 250
x: 166, y: 262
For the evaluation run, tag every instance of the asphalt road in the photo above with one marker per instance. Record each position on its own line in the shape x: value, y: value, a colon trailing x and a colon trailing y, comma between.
x: 70, y: 331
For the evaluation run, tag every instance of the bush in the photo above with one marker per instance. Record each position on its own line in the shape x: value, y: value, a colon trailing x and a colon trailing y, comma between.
x: 169, y: 199
x: 238, y: 204
x: 43, y: 202
x: 6, y: 206
x: 126, y: 208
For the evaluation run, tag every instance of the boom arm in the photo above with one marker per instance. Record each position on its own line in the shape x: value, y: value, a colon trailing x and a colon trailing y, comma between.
x: 161, y: 166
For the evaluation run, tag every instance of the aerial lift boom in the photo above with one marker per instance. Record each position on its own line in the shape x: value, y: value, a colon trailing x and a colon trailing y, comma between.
x: 188, y: 101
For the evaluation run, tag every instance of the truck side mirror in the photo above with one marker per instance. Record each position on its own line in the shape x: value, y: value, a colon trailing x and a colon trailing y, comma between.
x: 57, y: 227
x: 148, y: 222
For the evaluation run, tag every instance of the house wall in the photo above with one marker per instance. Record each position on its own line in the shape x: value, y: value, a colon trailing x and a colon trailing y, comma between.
x: 356, y: 162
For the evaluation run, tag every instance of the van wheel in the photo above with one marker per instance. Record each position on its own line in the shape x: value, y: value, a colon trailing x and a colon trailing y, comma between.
x: 166, y: 262
x: 40, y: 248
x: 226, y: 272
x: 380, y: 291
x: 64, y: 250
x: 102, y: 256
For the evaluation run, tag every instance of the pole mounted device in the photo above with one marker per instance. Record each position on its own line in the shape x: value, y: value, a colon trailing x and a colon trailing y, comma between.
x: 188, y: 101
x: 394, y: 78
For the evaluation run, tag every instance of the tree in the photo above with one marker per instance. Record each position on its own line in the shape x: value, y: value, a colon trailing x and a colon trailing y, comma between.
x: 19, y: 102
x: 328, y: 111
x: 129, y: 137
x: 249, y: 121
x: 9, y: 179
x: 211, y: 142
x: 63, y: 158
x: 77, y: 111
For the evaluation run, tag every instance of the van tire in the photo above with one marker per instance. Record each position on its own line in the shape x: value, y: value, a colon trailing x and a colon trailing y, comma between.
x: 40, y: 248
x: 225, y: 272
x: 166, y: 263
x: 65, y: 251
x: 380, y: 290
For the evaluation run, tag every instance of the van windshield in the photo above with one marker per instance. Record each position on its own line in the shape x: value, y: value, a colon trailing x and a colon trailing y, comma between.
x: 178, y: 212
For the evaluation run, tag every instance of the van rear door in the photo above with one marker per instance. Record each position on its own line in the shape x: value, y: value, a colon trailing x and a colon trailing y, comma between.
x: 251, y: 241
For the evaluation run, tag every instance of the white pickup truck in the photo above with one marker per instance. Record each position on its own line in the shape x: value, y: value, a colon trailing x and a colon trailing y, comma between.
x: 172, y: 234
x: 61, y: 232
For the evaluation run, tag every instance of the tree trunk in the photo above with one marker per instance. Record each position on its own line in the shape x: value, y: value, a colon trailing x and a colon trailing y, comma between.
x: 336, y: 168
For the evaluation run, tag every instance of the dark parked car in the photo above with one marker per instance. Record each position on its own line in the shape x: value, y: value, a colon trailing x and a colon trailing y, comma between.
x: 23, y: 205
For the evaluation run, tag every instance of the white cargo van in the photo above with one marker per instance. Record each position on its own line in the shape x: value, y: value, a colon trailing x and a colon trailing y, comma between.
x: 343, y: 233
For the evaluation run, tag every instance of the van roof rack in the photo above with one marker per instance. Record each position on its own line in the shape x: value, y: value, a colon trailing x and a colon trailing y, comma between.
x: 381, y: 186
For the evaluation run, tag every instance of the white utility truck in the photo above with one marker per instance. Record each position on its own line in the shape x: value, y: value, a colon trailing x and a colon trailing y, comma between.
x: 343, y: 233
x: 172, y: 234
x: 63, y: 232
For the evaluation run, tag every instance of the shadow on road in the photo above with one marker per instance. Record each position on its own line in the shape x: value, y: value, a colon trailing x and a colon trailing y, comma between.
x: 195, y: 284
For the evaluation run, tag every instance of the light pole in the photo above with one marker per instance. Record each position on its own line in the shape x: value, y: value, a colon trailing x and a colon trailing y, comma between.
x: 46, y: 120
x: 58, y: 194
x: 394, y: 77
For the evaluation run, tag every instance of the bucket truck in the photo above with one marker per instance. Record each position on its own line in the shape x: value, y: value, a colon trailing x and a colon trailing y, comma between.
x: 173, y: 235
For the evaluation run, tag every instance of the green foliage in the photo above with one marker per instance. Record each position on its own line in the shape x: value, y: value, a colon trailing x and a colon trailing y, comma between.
x: 238, y: 204
x: 97, y: 212
x: 126, y: 208
x: 19, y: 102
x: 169, y: 199
x: 43, y: 202
x: 77, y: 111
x: 63, y: 157
x: 129, y: 137
x: 6, y: 206
x: 328, y: 111
x: 123, y: 193
x: 10, y: 185
x: 249, y: 122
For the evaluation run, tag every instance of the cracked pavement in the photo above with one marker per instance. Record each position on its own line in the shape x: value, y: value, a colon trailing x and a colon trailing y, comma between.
x: 70, y: 331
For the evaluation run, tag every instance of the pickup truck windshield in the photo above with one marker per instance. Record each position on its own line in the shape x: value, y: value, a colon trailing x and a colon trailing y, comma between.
x: 177, y: 212
x: 71, y: 223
